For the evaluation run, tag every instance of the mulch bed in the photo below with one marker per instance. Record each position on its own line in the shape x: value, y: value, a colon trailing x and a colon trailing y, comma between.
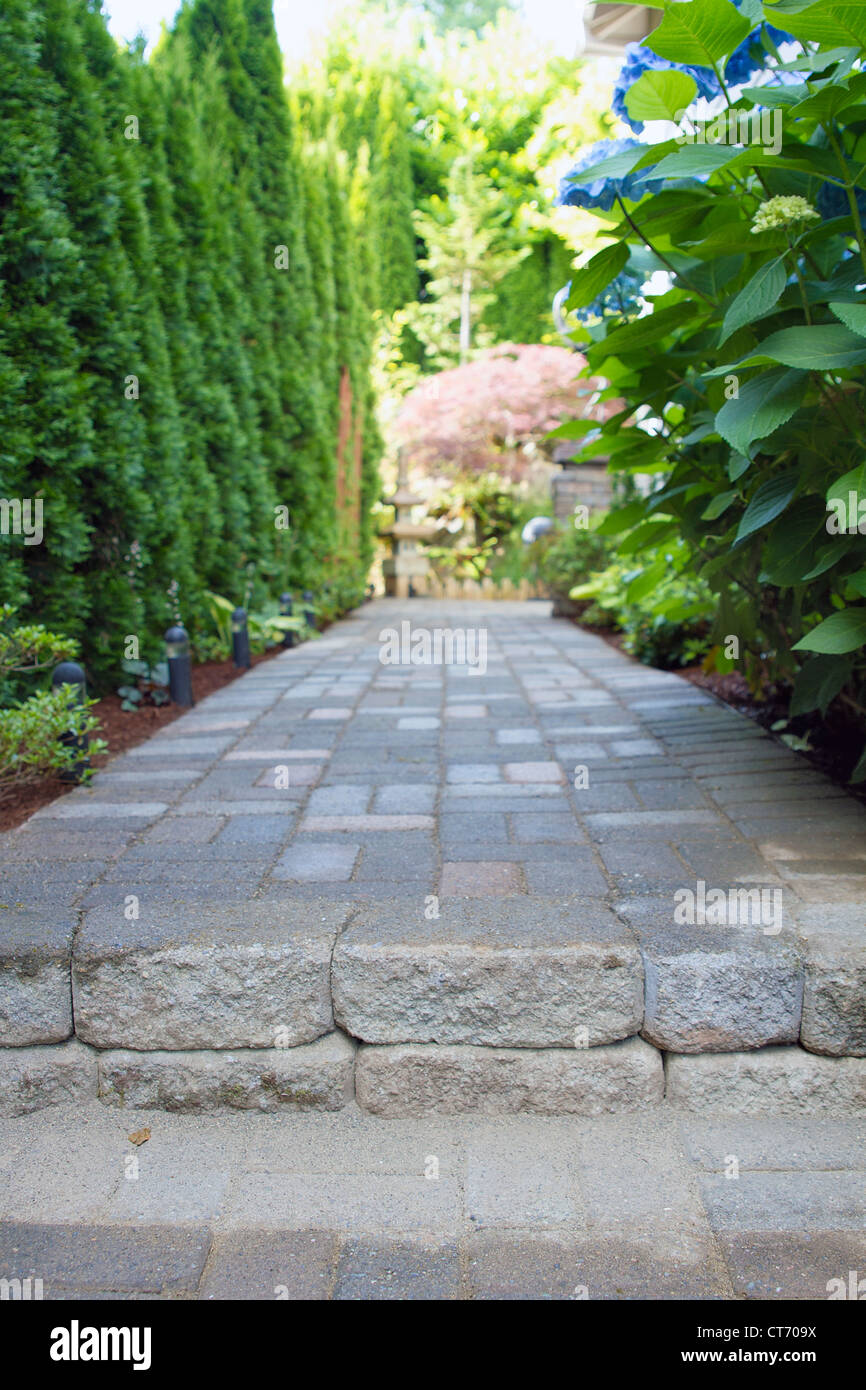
x: 121, y: 730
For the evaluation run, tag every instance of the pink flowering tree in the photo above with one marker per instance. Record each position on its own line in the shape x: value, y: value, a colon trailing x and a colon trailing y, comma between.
x: 481, y: 417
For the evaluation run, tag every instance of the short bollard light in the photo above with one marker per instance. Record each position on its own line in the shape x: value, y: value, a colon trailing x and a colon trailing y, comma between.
x: 309, y: 611
x: 286, y: 603
x: 241, y: 640
x: 179, y: 665
x: 69, y: 673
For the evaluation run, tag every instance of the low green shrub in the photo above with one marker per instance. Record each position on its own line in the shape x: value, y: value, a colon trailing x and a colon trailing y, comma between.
x: 148, y: 684
x: 26, y: 651
x: 33, y: 722
x: 664, y: 610
x: 266, y: 629
x: 30, y: 734
x: 569, y: 556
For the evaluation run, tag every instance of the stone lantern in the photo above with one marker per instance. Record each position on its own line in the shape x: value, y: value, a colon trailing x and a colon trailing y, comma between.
x: 406, y: 563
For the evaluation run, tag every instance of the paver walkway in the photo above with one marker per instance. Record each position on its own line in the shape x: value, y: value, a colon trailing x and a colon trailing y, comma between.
x: 349, y: 1206
x: 414, y: 780
x: 349, y: 885
x: 535, y: 877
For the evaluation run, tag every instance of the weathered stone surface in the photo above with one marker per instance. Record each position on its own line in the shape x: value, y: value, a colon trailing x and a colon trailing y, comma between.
x: 809, y: 1265
x: 524, y: 973
x: 264, y: 1265
x: 33, y: 1077
x: 35, y: 992
x: 318, y: 1076
x: 530, y: 1266
x: 421, y: 1080
x: 773, y: 1081
x: 716, y: 989
x: 92, y: 1261
x: 241, y: 975
x: 376, y: 1269
x: 834, y: 1002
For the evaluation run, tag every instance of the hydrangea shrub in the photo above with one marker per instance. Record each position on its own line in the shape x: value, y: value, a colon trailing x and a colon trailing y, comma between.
x: 741, y: 360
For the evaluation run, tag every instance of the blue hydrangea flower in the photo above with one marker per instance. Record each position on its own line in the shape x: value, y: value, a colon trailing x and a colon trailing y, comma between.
x: 832, y: 201
x: 751, y: 56
x: 744, y: 62
x: 639, y: 60
x: 603, y: 192
x: 620, y: 297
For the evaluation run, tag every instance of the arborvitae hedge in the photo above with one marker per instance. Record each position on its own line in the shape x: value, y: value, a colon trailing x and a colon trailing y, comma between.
x: 179, y: 300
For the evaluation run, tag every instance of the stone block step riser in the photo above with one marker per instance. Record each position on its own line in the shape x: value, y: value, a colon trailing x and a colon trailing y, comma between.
x: 527, y: 974
x: 396, y: 1081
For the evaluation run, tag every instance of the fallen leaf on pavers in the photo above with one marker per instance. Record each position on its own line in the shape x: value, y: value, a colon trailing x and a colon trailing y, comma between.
x: 139, y: 1136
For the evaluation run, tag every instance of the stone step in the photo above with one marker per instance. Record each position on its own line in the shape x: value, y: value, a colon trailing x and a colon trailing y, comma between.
x: 317, y: 1076
x: 518, y: 972
x: 415, y: 1079
x: 772, y: 1081
x: 495, y: 1006
x: 455, y: 1080
x: 246, y: 975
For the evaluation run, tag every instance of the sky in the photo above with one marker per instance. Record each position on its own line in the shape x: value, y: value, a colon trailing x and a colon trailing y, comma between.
x: 556, y: 21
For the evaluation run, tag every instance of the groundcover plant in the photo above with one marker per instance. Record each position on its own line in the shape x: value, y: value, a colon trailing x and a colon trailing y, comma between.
x: 740, y: 359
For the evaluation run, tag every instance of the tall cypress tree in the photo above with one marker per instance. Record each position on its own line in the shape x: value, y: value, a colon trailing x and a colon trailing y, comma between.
x: 198, y: 151
x: 196, y: 565
x: 111, y: 491
x: 46, y: 439
x: 180, y: 299
x: 391, y: 202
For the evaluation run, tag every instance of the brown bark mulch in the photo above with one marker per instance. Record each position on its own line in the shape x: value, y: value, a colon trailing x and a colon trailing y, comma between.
x: 121, y: 730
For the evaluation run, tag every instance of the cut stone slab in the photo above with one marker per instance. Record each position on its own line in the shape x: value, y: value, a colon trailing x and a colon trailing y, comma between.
x: 773, y: 1081
x: 424, y: 1080
x: 715, y: 989
x: 318, y: 1076
x: 525, y: 1266
x: 263, y: 1265
x: 70, y: 808
x: 32, y: 1078
x: 35, y: 992
x: 809, y: 1265
x: 516, y: 973
x: 98, y: 1259
x: 250, y: 974
x: 373, y: 1269
x: 834, y: 1002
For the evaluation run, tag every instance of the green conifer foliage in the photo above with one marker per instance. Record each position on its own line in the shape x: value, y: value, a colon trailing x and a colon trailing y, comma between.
x: 391, y: 200
x: 110, y: 489
x: 46, y: 437
x: 180, y: 300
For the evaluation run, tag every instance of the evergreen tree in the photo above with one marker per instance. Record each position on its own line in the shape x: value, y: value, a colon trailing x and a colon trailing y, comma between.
x: 181, y: 305
x: 110, y: 488
x: 467, y: 255
x: 391, y: 200
x: 46, y: 438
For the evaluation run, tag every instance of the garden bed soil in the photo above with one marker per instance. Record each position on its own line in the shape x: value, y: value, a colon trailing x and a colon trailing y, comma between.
x: 121, y: 730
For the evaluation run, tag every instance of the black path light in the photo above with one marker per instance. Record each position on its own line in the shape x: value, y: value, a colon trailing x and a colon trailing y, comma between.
x: 179, y: 665
x: 241, y: 640
x: 286, y: 603
x: 309, y: 611
x: 69, y: 673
